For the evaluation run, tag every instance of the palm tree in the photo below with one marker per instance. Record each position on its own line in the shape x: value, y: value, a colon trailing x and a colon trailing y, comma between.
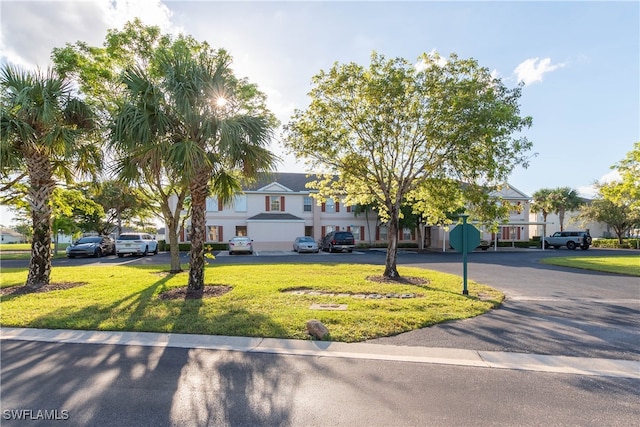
x: 542, y: 202
x: 564, y: 199
x: 45, y: 135
x: 188, y: 116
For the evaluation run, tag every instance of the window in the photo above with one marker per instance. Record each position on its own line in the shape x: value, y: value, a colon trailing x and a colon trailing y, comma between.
x: 407, y: 234
x: 356, y: 233
x: 274, y: 203
x: 213, y: 204
x: 240, y: 203
x: 308, y: 204
x: 382, y: 231
x: 241, y: 230
x: 330, y: 206
x: 214, y: 233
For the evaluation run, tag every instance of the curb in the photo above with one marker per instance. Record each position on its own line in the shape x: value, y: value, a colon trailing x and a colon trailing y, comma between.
x: 444, y: 356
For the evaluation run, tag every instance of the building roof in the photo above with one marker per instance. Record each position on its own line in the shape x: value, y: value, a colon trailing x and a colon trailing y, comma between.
x: 295, y: 182
x: 10, y: 232
x: 274, y: 217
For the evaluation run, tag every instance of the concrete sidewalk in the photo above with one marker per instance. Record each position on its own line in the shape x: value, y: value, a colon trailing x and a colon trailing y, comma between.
x: 445, y: 356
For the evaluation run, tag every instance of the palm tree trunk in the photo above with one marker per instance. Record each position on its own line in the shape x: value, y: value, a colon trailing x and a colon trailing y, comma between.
x: 198, y: 223
x: 39, y: 194
x: 390, y: 266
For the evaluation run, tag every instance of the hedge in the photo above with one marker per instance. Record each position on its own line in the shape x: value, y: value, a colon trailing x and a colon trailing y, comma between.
x: 614, y: 244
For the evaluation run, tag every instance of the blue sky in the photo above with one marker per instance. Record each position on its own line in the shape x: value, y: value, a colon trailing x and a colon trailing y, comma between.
x: 580, y: 61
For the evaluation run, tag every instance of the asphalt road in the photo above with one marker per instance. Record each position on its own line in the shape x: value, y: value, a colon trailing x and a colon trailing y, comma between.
x: 114, y: 385
x: 548, y: 310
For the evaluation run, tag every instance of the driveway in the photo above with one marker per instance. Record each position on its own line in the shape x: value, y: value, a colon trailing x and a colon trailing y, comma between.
x: 547, y: 310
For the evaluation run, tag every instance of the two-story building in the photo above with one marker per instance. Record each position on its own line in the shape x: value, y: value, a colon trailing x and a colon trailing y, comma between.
x: 279, y: 208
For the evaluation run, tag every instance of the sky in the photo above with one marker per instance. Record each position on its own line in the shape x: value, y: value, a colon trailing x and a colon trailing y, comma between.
x: 579, y: 60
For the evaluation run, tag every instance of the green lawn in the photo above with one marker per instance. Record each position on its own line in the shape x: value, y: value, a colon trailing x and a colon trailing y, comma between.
x: 611, y: 264
x: 125, y: 298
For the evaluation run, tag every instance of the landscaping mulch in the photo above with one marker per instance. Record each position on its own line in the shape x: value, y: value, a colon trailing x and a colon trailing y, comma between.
x: 400, y: 280
x: 23, y: 290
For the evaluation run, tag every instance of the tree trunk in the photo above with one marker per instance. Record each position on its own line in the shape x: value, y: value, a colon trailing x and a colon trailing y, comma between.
x: 174, y: 248
x: 198, y: 223
x: 561, y: 218
x: 39, y: 195
x: 390, y: 269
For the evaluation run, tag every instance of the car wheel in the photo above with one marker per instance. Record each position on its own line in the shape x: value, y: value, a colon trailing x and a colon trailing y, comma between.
x: 70, y: 256
x: 155, y: 251
x: 330, y: 248
x: 584, y: 247
x: 146, y: 251
x: 120, y: 255
x: 98, y: 253
x: 571, y: 245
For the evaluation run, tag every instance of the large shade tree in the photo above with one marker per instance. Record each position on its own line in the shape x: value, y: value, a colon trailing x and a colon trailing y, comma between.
x: 617, y: 203
x: 189, y: 114
x: 45, y: 136
x: 397, y: 130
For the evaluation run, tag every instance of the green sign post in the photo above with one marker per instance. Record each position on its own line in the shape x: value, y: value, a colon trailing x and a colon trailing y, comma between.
x: 464, y: 238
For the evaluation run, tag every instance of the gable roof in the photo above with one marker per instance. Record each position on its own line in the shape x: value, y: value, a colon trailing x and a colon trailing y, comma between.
x: 292, y: 181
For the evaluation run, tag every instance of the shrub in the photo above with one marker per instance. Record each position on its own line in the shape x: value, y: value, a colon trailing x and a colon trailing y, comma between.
x: 614, y: 244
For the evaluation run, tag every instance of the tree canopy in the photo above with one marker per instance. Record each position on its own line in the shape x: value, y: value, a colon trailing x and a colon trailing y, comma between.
x: 430, y: 132
x: 45, y: 136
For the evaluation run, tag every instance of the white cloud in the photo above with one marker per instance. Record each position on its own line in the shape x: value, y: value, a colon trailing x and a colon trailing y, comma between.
x: 589, y: 191
x: 55, y: 23
x: 532, y: 69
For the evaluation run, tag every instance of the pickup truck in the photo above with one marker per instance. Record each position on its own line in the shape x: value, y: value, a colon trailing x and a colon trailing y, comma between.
x: 570, y: 239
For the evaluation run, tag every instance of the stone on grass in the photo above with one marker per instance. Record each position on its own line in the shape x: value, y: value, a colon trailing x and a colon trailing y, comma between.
x: 317, y: 329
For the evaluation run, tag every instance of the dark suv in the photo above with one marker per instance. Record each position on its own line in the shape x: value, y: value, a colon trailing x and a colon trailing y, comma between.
x: 338, y: 241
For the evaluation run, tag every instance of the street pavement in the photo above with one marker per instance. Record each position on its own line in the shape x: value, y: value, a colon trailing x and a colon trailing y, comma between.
x: 564, y: 349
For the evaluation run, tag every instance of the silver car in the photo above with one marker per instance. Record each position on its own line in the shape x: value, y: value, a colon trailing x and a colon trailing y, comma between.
x: 305, y: 244
x: 95, y: 246
x: 240, y: 244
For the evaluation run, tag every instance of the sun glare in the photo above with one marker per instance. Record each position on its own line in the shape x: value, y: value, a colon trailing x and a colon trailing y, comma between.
x: 221, y: 101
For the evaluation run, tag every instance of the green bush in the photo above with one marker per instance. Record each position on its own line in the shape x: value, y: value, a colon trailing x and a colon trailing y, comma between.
x: 614, y: 244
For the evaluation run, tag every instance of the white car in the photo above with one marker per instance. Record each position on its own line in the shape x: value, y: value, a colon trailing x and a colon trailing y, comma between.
x: 136, y: 244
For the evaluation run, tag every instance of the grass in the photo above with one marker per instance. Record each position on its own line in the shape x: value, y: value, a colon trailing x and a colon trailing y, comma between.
x: 13, y: 251
x: 125, y: 298
x: 627, y: 264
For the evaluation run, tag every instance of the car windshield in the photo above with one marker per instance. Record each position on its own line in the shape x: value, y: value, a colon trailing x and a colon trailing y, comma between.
x: 129, y: 237
x: 88, y: 240
x: 305, y: 239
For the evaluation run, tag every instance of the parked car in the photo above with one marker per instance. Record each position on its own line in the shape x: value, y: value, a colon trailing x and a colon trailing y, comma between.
x: 338, y: 241
x: 136, y: 244
x: 485, y: 244
x: 305, y: 244
x: 240, y: 244
x: 570, y: 239
x: 96, y: 246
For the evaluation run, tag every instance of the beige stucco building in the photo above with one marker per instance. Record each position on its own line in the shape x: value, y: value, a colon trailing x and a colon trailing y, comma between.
x: 280, y: 208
